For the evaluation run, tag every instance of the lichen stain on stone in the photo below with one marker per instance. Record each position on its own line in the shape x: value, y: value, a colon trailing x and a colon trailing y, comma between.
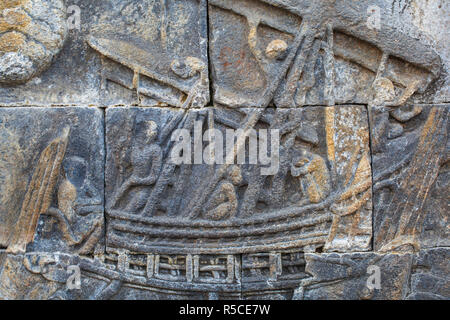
x: 11, y: 41
x: 34, y: 32
x: 5, y: 4
x: 13, y: 19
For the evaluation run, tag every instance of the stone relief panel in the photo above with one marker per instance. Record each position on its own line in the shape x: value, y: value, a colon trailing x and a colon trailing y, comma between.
x: 52, y: 180
x: 188, y: 224
x: 322, y: 183
x: 246, y: 149
x: 344, y: 276
x: 406, y: 276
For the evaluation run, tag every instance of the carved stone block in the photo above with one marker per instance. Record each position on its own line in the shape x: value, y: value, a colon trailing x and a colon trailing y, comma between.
x: 355, y: 276
x: 295, y: 53
x: 45, y: 276
x: 379, y: 276
x: 51, y: 168
x: 64, y: 70
x: 149, y: 53
x: 331, y: 276
x: 321, y: 183
x: 154, y: 53
x: 410, y: 155
x: 318, y: 196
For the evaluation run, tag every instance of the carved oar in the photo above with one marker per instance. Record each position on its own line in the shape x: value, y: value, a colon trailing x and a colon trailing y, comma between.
x: 39, y: 194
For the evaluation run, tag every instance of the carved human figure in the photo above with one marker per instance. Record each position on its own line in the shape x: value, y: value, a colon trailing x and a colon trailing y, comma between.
x: 275, y: 50
x: 79, y: 214
x: 313, y: 175
x: 223, y: 203
x: 146, y: 161
x: 188, y: 68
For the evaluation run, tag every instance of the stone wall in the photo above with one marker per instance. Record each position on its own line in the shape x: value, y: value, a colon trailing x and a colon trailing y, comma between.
x: 224, y: 149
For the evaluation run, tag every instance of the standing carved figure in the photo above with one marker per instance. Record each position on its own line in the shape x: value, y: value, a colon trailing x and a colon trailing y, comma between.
x: 146, y: 160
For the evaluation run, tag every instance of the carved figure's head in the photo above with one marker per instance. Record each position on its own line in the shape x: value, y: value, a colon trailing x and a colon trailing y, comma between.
x: 75, y: 170
x: 235, y: 175
x: 300, y: 162
x: 277, y: 49
x: 151, y: 131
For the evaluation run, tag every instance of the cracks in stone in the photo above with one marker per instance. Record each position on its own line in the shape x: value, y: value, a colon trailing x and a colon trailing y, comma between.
x: 87, y: 105
x: 241, y: 295
x: 369, y: 124
x: 210, y: 66
x: 104, y: 179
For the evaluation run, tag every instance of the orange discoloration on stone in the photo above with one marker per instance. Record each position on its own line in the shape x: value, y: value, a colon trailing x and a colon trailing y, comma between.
x: 276, y: 48
x: 6, y: 4
x: 11, y: 42
x: 14, y: 20
x: 318, y: 180
x: 329, y: 128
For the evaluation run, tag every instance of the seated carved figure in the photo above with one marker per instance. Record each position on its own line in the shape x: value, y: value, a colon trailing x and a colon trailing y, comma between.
x: 223, y: 203
x: 79, y: 214
x: 314, y: 177
x: 146, y: 161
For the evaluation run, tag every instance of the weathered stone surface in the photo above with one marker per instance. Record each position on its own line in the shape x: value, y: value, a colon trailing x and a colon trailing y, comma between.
x: 247, y: 66
x: 45, y: 276
x: 423, y: 275
x: 424, y: 20
x: 346, y: 276
x: 51, y: 168
x: 184, y: 216
x: 430, y: 278
x: 334, y: 276
x: 410, y: 154
x: 154, y: 53
x: 121, y: 53
x: 32, y: 33
x: 321, y: 187
x: 73, y: 76
x: 237, y: 153
x: 33, y: 276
